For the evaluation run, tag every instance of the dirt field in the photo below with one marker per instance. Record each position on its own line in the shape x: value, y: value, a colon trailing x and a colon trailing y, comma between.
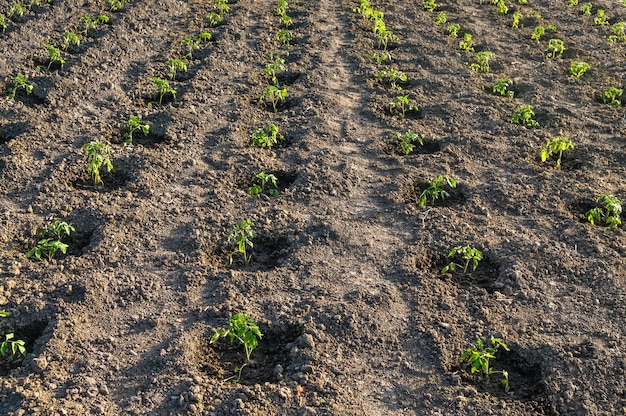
x: 345, y: 279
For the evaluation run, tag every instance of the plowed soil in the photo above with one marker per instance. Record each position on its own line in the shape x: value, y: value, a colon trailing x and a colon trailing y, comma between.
x: 345, y: 279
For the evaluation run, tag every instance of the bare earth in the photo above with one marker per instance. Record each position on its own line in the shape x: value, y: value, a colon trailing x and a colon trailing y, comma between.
x: 345, y: 278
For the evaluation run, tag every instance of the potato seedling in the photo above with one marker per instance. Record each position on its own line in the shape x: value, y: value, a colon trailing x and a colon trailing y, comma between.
x: 572, y: 3
x: 380, y: 57
x: 192, y: 45
x: 242, y: 235
x: 163, y: 87
x: 467, y: 253
x: 430, y: 5
x: 274, y: 95
x: 214, y: 18
x: 90, y: 23
x: 611, y: 96
x: 517, y: 16
x: 221, y: 6
x: 3, y: 22
x: 556, y: 146
x: 384, y: 37
x: 478, y: 355
x: 264, y: 183
x: 19, y: 83
x: 285, y: 36
x: 555, y: 48
x: 441, y: 19
x: 50, y: 240
x: 600, y: 19
x: 393, y: 76
x: 281, y: 8
x: 504, y: 87
x: 244, y: 329
x: 578, y: 68
x: 98, y: 154
x: 117, y: 5
x: 453, y: 30
x: 467, y: 44
x: 523, y: 115
x: 15, y: 10
x: 400, y: 105
x: 436, y: 189
x: 618, y: 31
x: 501, y: 8
x: 538, y: 32
x: 275, y: 67
x: 483, y: 62
x: 267, y: 137
x: 586, y: 9
x: 70, y: 39
x: 54, y: 55
x: 608, y: 212
x: 11, y: 349
x: 174, y: 66
x: 287, y: 21
x: 134, y: 124
x: 407, y: 141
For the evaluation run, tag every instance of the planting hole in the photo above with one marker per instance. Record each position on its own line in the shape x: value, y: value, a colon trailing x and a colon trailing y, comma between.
x: 30, y: 334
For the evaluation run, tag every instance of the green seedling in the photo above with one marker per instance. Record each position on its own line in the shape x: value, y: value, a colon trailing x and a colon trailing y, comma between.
x: 275, y: 67
x: 264, y: 183
x: 501, y: 8
x: 134, y: 124
x: 90, y: 23
x: 478, y: 355
x: 552, y: 28
x: 11, y: 349
x: 537, y: 33
x: 555, y: 48
x: 244, y: 329
x: 556, y: 146
x: 70, y: 39
x: 3, y: 22
x: 163, y: 87
x: 58, y: 229
x: 50, y: 240
x: 467, y: 44
x: 483, y: 62
x: 600, y: 19
x: 214, y: 18
x: 174, y: 66
x: 285, y: 37
x: 578, y: 68
x: 19, y: 83
x: 618, y: 32
x: 393, y: 76
x: 380, y: 57
x: 281, y: 8
x: 117, y: 5
x: 384, y: 37
x: 586, y: 9
x: 379, y: 26
x: 441, y: 19
x: 267, y: 137
x: 522, y: 2
x: 468, y: 253
x: 15, y: 10
x: 274, y: 95
x: 407, y: 141
x: 287, y: 21
x: 612, y: 95
x: 242, y: 235
x: 523, y: 115
x: 607, y: 213
x: 453, y: 30
x: 54, y: 55
x: 192, y: 45
x: 222, y: 6
x: 430, y: 5
x: 436, y: 189
x: 98, y: 154
x: 400, y: 105
x: 517, y: 16
x: 572, y: 3
x: 504, y: 87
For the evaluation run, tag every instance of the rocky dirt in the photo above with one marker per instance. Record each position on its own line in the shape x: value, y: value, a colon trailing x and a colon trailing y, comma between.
x: 345, y: 278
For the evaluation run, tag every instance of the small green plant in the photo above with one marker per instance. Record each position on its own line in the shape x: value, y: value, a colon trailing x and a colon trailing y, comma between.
x: 50, y: 240
x: 586, y: 9
x: 572, y: 3
x: 483, y: 62
x: 222, y: 6
x: 453, y: 30
x: 11, y: 349
x: 407, y: 141
x: 430, y: 5
x: 276, y: 66
x: 468, y: 253
x: 3, y: 22
x: 134, y: 124
x: 552, y: 28
x: 264, y: 183
x: 117, y: 5
x: 54, y: 55
x: 15, y: 10
x: 70, y: 39
x: 380, y: 57
x: 618, y: 32
x: 287, y: 21
x: 517, y: 16
x: 393, y: 76
x: 478, y: 355
x: 538, y: 32
x: 174, y: 66
x: 214, y: 18
x: 400, y: 105
x: 19, y: 83
x: 281, y: 8
x: 244, y: 329
x: 436, y: 189
x: 523, y: 115
x: 441, y: 19
x: 267, y: 137
x: 90, y: 23
x: 504, y: 87
x: 608, y: 211
x: 578, y: 68
x: 242, y: 235
x: 467, y: 44
x: 192, y: 45
x: 163, y: 87
x: 600, y: 19
x: 556, y: 146
x: 384, y: 37
x: 612, y: 95
x: 501, y: 8
x: 274, y: 95
x: 555, y: 48
x: 98, y: 154
x: 285, y: 37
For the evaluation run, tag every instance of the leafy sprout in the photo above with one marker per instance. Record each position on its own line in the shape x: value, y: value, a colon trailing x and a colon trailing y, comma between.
x: 468, y: 253
x: 267, y: 137
x: 242, y: 235
x: 274, y: 95
x: 54, y: 55
x: 556, y: 146
x: 618, y: 32
x: 174, y: 66
x: 407, y: 141
x: 264, y: 182
x: 436, y: 189
x: 400, y: 105
x: 51, y: 240
x: 608, y: 211
x: 538, y: 32
x: 504, y: 87
x: 612, y: 95
x: 393, y: 76
x: 555, y: 48
x: 482, y: 64
x: 11, y: 349
x: 134, y: 124
x: 578, y: 68
x: 478, y: 355
x: 523, y: 115
x: 163, y: 87
x: 19, y: 83
x: 98, y: 154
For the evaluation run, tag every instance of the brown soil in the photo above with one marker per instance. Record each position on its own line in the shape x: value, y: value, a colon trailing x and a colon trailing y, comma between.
x: 345, y: 277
